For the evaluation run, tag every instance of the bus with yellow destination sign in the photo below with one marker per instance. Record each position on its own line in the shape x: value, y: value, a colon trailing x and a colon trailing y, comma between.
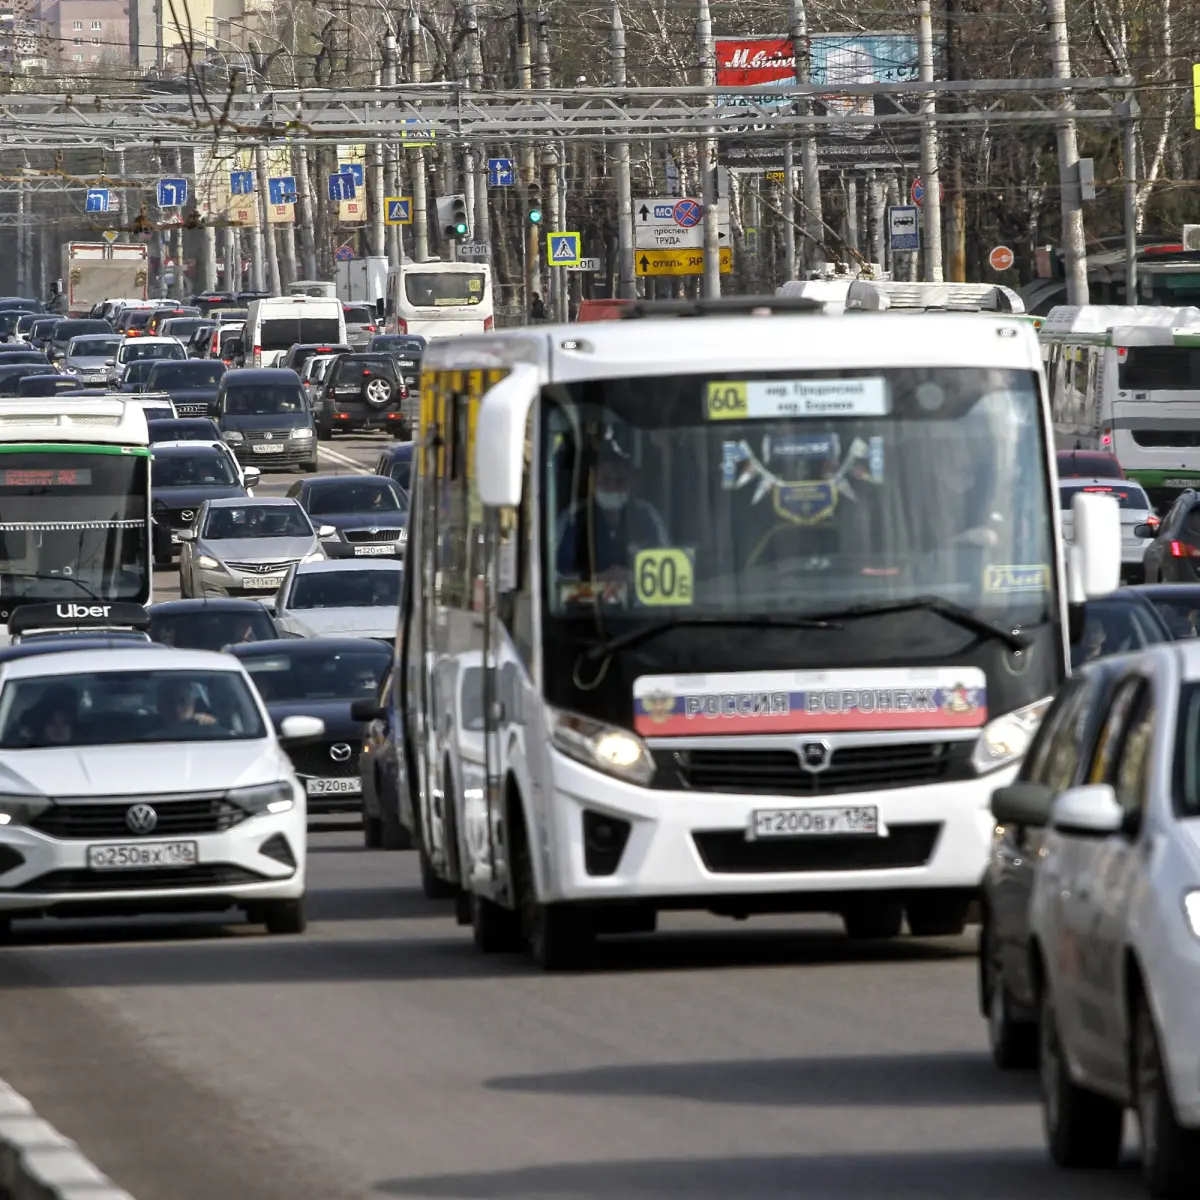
x: 747, y: 613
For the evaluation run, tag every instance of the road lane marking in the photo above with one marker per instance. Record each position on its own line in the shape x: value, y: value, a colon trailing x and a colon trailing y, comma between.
x: 343, y: 461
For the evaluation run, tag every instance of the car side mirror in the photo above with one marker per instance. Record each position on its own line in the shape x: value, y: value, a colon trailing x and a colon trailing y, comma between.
x: 110, y: 362
x: 298, y: 729
x: 1023, y: 804
x: 252, y: 476
x: 1145, y: 530
x: 1094, y: 555
x: 327, y: 531
x: 367, y: 710
x: 186, y: 535
x: 1091, y: 812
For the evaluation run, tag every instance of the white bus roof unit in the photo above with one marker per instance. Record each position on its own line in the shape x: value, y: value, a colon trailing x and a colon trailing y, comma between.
x: 1100, y: 318
x: 868, y: 296
x: 831, y: 293
x: 117, y: 422
x: 1154, y: 335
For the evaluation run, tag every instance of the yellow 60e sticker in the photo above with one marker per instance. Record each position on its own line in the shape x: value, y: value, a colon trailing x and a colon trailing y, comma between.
x: 663, y: 577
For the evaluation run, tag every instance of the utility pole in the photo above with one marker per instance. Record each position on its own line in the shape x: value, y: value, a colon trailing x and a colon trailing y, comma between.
x: 550, y: 161
x: 931, y: 209
x: 390, y: 182
x: 420, y: 199
x: 708, y: 159
x: 1074, y: 245
x: 1129, y: 130
x: 787, y: 202
x: 956, y: 218
x: 375, y: 188
x: 125, y: 195
x: 264, y: 213
x: 177, y: 236
x: 626, y: 279
x: 813, y: 251
x: 306, y: 212
x: 23, y: 244
x: 529, y: 169
x: 483, y: 224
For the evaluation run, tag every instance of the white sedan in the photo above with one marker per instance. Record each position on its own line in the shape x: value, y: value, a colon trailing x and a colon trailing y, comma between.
x: 145, y: 780
x: 341, y: 598
x: 1115, y: 920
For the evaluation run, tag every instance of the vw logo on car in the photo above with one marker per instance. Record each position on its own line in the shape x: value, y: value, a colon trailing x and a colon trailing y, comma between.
x: 141, y: 818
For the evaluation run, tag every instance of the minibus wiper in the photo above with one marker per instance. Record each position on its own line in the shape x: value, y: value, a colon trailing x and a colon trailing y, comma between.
x: 961, y: 616
x: 633, y: 637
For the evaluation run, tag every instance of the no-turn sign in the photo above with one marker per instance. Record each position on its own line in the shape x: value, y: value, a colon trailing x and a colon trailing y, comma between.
x: 1001, y: 258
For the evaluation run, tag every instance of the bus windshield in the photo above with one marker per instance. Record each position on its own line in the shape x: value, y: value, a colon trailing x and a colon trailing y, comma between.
x: 442, y: 289
x: 797, y: 494
x: 73, y: 523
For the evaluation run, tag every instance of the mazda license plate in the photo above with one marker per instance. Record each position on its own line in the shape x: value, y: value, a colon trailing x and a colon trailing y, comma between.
x: 813, y: 822
x: 141, y: 856
x: 333, y: 787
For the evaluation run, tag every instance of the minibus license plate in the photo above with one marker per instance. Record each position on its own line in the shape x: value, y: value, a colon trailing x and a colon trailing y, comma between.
x: 813, y: 822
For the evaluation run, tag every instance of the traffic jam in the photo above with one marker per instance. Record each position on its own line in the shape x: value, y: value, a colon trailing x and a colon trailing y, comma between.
x: 866, y: 601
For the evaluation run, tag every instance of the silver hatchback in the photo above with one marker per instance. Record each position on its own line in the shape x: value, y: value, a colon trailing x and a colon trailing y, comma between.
x: 1136, y: 510
x: 241, y: 547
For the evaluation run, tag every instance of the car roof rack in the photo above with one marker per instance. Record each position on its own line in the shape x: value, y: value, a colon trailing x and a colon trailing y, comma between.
x: 723, y: 306
x: 874, y: 296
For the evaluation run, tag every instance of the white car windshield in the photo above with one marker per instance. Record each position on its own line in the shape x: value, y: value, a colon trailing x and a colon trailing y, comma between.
x: 346, y: 589
x: 205, y: 468
x: 122, y: 707
x: 133, y: 351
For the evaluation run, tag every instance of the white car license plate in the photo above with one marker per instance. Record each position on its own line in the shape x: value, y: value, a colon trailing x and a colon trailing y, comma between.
x: 1179, y: 483
x: 141, y: 856
x: 266, y: 582
x: 333, y: 787
x: 387, y: 548
x: 812, y: 822
x: 268, y: 448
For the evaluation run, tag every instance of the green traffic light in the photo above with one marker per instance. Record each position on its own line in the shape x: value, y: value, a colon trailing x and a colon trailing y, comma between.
x: 535, y: 216
x: 461, y: 229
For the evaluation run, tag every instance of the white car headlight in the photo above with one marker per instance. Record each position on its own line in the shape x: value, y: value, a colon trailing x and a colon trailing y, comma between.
x: 206, y: 562
x: 265, y: 798
x: 232, y: 435
x: 301, y: 433
x: 602, y: 747
x: 1191, y: 908
x: 20, y: 810
x: 1006, y: 739
x: 315, y: 556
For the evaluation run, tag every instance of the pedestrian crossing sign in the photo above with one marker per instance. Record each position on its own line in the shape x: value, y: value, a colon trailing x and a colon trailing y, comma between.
x: 562, y: 249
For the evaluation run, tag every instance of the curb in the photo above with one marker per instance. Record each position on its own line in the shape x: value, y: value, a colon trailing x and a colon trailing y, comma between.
x: 38, y: 1163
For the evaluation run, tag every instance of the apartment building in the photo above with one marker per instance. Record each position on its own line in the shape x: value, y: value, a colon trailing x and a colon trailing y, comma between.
x: 83, y: 34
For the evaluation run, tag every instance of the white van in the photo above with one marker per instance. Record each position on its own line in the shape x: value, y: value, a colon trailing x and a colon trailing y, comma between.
x: 276, y: 324
x: 440, y: 299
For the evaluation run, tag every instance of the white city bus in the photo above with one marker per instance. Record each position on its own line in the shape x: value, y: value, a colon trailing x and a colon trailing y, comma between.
x: 767, y: 606
x: 75, y: 511
x: 1127, y: 380
x: 440, y: 299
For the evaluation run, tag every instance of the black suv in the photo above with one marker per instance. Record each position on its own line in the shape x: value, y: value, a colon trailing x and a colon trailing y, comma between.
x: 363, y: 391
x: 1174, y: 555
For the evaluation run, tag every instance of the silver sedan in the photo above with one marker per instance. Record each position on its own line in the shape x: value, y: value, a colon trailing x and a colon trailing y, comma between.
x: 90, y: 357
x: 245, y: 548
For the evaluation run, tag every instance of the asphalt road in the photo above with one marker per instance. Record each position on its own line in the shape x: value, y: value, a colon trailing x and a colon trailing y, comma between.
x: 379, y: 1056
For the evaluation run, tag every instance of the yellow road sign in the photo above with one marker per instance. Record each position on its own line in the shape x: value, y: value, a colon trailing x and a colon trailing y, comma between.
x: 679, y: 262
x: 1196, y: 92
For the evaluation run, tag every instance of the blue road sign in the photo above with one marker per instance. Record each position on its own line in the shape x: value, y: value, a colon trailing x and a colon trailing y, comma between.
x: 904, y: 227
x: 97, y: 200
x: 343, y: 254
x: 282, y: 191
x: 399, y: 210
x: 355, y: 169
x: 341, y: 186
x: 241, y: 183
x: 172, y: 193
x: 563, y: 249
x: 500, y: 172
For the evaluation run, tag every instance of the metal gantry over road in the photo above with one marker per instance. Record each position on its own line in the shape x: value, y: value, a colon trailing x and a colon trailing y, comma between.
x: 418, y: 113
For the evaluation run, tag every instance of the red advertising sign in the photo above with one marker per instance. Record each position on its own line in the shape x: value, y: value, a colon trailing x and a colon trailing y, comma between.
x: 750, y: 62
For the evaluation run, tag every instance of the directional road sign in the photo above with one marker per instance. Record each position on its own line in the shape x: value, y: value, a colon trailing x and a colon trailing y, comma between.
x: 356, y: 169
x: 172, y: 193
x: 97, y: 200
x: 417, y: 132
x: 341, y: 186
x: 282, y: 191
x: 397, y: 210
x: 343, y: 254
x: 904, y: 227
x: 589, y: 265
x: 671, y: 223
x: 500, y: 172
x: 562, y: 249
x: 241, y: 183
x: 678, y: 262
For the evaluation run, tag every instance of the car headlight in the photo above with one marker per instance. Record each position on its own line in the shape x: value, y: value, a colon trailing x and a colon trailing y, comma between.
x: 301, y: 433
x: 232, y: 435
x: 207, y: 562
x: 1006, y: 739
x: 70, y: 371
x: 266, y: 798
x: 602, y: 747
x: 315, y: 556
x: 20, y: 810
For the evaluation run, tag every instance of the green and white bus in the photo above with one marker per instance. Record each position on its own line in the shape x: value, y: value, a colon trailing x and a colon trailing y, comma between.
x: 1127, y: 380
x: 74, y: 502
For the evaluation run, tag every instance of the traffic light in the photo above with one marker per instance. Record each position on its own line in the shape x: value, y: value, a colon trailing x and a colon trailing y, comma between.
x: 460, y: 227
x: 535, y: 203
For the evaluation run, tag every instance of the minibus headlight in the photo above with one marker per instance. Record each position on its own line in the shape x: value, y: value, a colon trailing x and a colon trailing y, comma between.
x: 602, y: 747
x: 1006, y: 739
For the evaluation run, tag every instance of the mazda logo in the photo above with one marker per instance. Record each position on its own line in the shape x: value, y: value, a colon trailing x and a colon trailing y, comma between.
x: 141, y: 818
x: 187, y: 514
x: 815, y: 756
x: 340, y: 752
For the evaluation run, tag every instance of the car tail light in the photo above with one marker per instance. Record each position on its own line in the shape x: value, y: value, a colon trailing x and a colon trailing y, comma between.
x: 403, y: 392
x: 258, y: 356
x: 1184, y: 550
x: 370, y: 329
x: 488, y: 324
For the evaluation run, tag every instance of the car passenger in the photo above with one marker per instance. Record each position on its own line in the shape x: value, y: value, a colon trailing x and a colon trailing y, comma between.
x: 52, y: 722
x: 177, y: 709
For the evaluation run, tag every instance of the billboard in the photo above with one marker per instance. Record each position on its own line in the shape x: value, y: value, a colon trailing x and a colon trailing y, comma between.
x: 835, y: 58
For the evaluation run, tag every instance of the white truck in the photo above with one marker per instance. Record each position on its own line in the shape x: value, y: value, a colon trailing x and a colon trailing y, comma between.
x: 97, y: 271
x: 363, y: 280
